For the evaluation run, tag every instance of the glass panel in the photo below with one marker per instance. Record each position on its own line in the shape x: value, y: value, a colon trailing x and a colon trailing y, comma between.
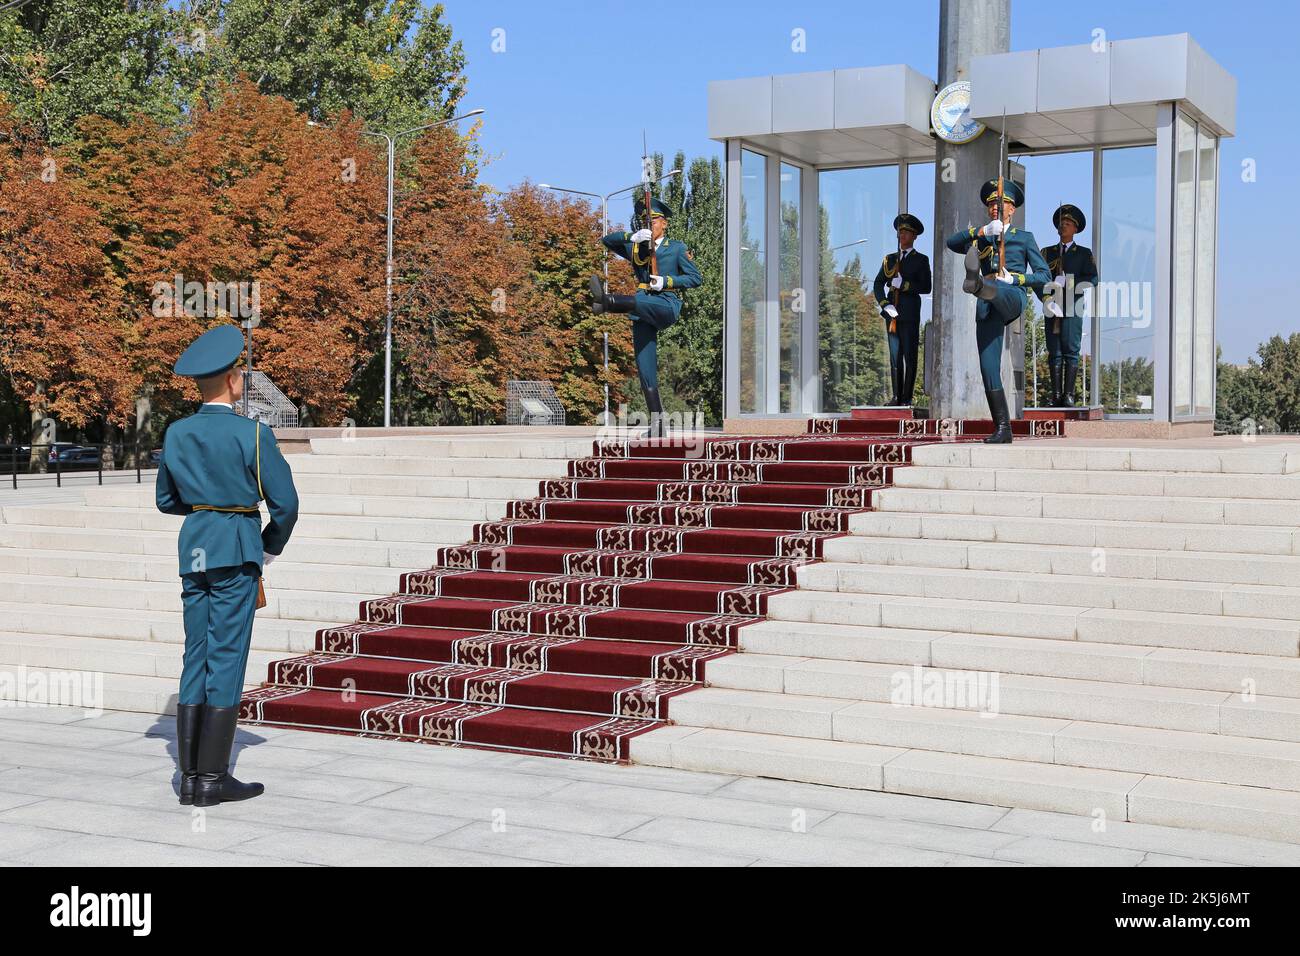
x: 753, y: 282
x: 920, y: 203
x: 1052, y: 180
x: 857, y: 209
x: 1128, y: 268
x: 1203, y: 350
x: 791, y: 291
x: 1184, y: 274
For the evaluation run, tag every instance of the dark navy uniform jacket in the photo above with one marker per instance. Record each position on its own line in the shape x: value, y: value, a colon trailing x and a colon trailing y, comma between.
x: 916, y: 283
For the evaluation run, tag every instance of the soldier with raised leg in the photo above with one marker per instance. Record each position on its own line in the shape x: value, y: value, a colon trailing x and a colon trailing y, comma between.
x: 663, y: 268
x: 1002, y: 264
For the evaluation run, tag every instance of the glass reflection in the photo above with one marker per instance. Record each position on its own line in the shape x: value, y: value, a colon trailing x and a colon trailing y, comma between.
x: 1123, y: 301
x: 857, y: 209
x: 753, y: 282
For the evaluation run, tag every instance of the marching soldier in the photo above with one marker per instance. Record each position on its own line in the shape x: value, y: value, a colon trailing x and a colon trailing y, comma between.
x: 906, y: 273
x: 1001, y: 287
x: 657, y: 304
x: 1074, y: 271
x: 216, y: 466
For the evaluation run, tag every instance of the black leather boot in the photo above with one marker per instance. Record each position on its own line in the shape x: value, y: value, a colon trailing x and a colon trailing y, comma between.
x: 602, y: 301
x: 189, y: 720
x: 655, y: 408
x: 909, y: 385
x: 896, y: 384
x: 1055, y: 370
x: 1067, y: 383
x: 974, y: 283
x: 215, y: 784
x: 997, y: 399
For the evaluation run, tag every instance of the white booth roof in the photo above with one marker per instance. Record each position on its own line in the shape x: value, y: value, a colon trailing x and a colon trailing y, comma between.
x: 1076, y: 96
x: 1055, y: 98
x: 874, y: 114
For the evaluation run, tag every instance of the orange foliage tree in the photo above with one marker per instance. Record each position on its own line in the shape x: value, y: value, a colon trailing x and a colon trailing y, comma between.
x: 247, y: 193
x: 61, y: 327
x: 560, y: 237
x: 488, y: 287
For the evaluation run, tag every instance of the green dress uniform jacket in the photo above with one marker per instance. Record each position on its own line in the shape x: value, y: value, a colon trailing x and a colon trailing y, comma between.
x: 659, y: 309
x: 1025, y: 262
x: 210, y: 474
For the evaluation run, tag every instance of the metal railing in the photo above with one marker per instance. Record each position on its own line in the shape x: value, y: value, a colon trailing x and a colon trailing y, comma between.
x: 67, y: 458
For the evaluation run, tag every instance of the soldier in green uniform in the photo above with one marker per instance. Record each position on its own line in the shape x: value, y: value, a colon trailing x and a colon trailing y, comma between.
x: 906, y: 274
x: 216, y: 466
x: 1074, y: 271
x: 1001, y: 287
x: 657, y: 303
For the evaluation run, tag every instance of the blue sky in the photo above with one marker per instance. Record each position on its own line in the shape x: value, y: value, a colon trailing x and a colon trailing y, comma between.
x: 569, y: 96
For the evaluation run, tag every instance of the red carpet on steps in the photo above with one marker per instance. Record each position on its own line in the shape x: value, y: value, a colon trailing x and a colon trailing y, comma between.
x: 569, y: 626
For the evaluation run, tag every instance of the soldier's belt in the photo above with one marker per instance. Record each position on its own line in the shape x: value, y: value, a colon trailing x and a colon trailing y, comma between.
x: 646, y: 287
x: 232, y: 509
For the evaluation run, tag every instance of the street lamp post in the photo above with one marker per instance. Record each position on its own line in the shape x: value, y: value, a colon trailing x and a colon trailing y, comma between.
x: 604, y: 230
x: 391, y: 140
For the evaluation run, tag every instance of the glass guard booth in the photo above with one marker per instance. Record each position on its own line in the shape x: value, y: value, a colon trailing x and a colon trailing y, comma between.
x: 818, y: 165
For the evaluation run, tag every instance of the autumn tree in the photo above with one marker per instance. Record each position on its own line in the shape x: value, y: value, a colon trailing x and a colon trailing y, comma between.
x: 559, y: 236
x: 246, y: 192
x: 468, y: 316
x: 61, y: 331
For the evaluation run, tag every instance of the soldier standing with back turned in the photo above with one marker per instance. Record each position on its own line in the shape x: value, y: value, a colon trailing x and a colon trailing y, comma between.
x: 216, y: 467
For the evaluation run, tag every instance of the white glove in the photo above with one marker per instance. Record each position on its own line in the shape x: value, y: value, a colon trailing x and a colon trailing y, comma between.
x: 896, y: 282
x: 890, y: 311
x: 1053, y: 309
x: 267, y: 558
x: 1005, y: 276
x: 642, y: 235
x: 656, y: 283
x: 1059, y: 280
x: 992, y: 229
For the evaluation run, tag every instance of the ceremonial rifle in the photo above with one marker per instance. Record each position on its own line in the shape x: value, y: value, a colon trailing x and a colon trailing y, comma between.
x: 649, y: 218
x: 1002, y: 164
x: 1060, y: 264
x: 898, y: 271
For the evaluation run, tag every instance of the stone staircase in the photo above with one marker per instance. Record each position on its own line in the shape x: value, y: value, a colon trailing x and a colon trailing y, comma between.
x: 1087, y: 629
x: 89, y: 589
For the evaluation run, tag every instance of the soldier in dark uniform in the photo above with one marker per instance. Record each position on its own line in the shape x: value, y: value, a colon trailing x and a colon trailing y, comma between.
x: 1074, y: 271
x: 903, y: 278
x: 657, y: 303
x: 1001, y: 287
x: 216, y: 467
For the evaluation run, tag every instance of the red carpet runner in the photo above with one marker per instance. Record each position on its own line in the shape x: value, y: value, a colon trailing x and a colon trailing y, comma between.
x: 569, y: 626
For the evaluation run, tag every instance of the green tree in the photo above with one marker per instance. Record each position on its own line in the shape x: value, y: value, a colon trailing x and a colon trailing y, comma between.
x: 393, y: 63
x: 690, y: 352
x: 694, y: 344
x: 64, y: 59
x: 853, y: 351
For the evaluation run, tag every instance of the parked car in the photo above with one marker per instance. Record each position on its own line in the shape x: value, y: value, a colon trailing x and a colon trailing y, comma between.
x: 58, y: 448
x: 76, y: 458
